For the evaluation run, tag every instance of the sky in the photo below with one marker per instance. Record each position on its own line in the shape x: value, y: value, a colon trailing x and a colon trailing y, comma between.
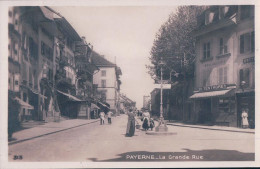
x: 124, y: 35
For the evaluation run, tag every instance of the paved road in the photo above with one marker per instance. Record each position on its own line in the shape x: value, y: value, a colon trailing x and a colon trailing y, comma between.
x: 96, y: 142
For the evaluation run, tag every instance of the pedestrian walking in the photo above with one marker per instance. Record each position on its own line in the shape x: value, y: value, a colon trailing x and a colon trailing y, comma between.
x: 102, y: 118
x: 109, y: 116
x: 244, y: 116
x: 130, y: 129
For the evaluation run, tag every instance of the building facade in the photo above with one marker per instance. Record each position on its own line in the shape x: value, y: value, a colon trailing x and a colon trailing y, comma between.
x: 224, y: 68
x: 107, y: 81
x: 46, y: 59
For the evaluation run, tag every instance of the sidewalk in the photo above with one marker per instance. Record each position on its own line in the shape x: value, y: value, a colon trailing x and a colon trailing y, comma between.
x: 221, y: 128
x: 47, y: 129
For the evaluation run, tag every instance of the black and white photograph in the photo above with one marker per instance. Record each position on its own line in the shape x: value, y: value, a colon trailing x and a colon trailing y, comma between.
x: 152, y: 83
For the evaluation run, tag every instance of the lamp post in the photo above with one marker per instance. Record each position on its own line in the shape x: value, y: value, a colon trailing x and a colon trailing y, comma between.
x: 162, y: 125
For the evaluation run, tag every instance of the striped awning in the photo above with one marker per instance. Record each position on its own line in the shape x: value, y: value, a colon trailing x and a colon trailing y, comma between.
x: 94, y: 106
x: 69, y: 96
x: 210, y: 94
x: 24, y: 104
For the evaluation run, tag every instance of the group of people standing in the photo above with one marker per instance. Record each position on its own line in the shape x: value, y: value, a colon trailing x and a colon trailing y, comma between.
x: 102, y: 116
x: 147, y: 122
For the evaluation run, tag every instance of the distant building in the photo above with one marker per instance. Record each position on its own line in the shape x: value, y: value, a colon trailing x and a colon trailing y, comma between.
x: 107, y: 81
x: 126, y: 103
x: 225, y: 65
x: 146, y: 102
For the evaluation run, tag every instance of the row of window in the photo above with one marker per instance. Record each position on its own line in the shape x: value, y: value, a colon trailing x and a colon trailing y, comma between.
x: 222, y: 77
x: 246, y: 44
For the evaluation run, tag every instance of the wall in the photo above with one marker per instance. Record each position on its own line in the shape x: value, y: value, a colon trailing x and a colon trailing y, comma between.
x: 110, y: 84
x: 212, y: 66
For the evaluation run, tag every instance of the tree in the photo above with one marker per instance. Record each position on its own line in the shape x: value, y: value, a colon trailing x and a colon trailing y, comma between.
x: 175, y: 45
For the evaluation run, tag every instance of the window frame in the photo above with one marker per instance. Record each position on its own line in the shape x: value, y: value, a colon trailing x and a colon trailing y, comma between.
x: 103, y: 73
x: 206, y: 50
x: 103, y: 83
x: 250, y: 41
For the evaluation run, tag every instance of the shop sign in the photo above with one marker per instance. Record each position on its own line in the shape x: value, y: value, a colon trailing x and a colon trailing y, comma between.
x: 214, y: 87
x: 249, y: 60
x: 163, y: 86
x: 214, y: 64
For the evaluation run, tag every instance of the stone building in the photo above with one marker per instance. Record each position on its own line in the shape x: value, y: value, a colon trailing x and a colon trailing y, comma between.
x: 225, y: 69
x: 107, y: 81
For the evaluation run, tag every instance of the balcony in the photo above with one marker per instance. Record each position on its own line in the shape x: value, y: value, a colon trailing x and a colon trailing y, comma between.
x: 206, y: 59
x: 225, y: 55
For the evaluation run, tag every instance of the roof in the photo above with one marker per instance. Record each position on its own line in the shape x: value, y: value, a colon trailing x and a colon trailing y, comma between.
x: 66, y: 28
x: 229, y: 19
x: 100, y: 61
x: 49, y: 13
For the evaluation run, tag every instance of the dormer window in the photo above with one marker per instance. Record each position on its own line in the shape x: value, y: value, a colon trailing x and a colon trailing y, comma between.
x: 245, y: 12
x: 223, y: 11
x: 209, y: 17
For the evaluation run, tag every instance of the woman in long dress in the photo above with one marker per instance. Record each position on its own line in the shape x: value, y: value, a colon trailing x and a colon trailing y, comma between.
x: 244, y: 116
x: 130, y: 130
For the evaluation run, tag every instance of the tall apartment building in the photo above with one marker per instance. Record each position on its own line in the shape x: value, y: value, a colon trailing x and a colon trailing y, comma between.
x: 225, y: 67
x: 107, y: 81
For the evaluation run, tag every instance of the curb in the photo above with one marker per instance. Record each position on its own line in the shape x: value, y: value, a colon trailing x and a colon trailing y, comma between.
x: 27, y: 139
x: 207, y: 128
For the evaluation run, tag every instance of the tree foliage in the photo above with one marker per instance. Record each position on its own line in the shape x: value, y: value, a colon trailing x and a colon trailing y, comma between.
x: 175, y: 45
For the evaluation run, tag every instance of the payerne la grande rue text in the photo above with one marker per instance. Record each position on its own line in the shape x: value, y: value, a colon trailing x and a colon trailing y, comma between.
x: 163, y: 157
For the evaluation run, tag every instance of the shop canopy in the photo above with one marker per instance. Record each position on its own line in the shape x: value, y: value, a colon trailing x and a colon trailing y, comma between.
x: 210, y: 94
x: 104, y: 105
x: 94, y: 106
x: 73, y: 98
x: 24, y: 104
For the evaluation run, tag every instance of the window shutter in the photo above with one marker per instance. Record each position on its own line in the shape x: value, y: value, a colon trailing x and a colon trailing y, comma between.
x: 253, y: 41
x: 241, y: 76
x: 208, y: 49
x: 204, y: 51
x: 220, y: 75
x: 211, y: 16
x: 221, y: 46
x: 225, y: 75
x: 247, y: 77
x: 16, y: 82
x: 241, y: 43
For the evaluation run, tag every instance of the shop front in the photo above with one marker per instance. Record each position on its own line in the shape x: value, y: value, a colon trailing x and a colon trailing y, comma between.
x: 246, y: 100
x: 215, y: 105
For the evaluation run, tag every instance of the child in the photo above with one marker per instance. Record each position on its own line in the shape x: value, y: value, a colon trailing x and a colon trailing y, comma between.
x: 151, y: 124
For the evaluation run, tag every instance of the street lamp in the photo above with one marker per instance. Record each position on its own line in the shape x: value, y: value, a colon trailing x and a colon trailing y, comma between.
x: 162, y: 125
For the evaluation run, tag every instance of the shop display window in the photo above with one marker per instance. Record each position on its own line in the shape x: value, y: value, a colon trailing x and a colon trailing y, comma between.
x: 227, y: 105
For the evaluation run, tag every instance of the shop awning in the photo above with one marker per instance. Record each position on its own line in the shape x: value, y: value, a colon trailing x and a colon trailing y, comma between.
x: 94, y: 106
x: 210, y: 94
x: 69, y: 96
x: 24, y: 104
x: 104, y: 105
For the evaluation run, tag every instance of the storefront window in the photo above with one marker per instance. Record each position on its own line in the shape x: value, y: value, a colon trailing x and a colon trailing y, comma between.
x: 226, y: 105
